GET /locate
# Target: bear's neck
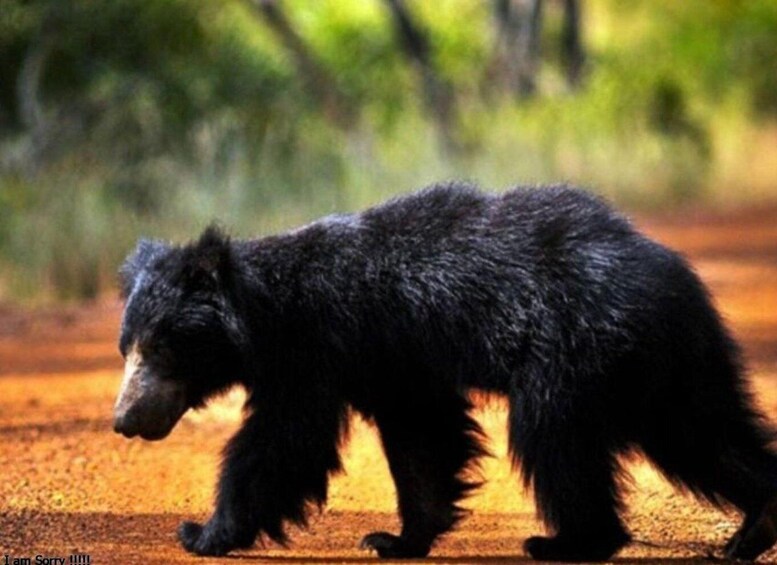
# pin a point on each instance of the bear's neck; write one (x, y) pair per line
(306, 274)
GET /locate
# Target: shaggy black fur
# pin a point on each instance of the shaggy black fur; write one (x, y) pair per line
(602, 340)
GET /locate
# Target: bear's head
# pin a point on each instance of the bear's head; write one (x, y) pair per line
(181, 336)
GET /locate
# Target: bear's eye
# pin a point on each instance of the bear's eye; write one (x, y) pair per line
(162, 355)
(124, 342)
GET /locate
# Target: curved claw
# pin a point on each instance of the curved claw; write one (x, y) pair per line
(202, 540)
(388, 545)
(755, 536)
(188, 534)
(572, 550)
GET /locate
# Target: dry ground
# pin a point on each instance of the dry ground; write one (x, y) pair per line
(68, 484)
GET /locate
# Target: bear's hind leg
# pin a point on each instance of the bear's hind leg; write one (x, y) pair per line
(747, 477)
(726, 460)
(574, 474)
(757, 534)
(428, 446)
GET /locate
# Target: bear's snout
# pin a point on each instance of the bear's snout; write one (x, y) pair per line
(125, 424)
(130, 425)
(147, 405)
(152, 420)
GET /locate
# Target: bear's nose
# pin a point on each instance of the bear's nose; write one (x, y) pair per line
(125, 424)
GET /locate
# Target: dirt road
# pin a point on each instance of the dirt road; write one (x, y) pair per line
(68, 484)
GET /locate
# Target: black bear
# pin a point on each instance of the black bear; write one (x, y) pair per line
(602, 340)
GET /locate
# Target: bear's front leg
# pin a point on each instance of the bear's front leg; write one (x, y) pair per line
(273, 468)
(212, 538)
(429, 441)
(234, 523)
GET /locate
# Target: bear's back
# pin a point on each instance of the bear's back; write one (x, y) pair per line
(458, 222)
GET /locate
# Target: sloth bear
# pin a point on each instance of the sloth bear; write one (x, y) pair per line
(602, 340)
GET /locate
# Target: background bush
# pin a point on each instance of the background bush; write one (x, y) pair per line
(156, 116)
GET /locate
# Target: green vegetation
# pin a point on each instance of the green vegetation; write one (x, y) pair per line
(155, 117)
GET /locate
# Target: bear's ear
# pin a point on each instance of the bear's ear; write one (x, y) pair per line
(210, 258)
(146, 251)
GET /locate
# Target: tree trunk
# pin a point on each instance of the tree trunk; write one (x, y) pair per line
(320, 84)
(572, 51)
(28, 86)
(29, 103)
(518, 45)
(437, 92)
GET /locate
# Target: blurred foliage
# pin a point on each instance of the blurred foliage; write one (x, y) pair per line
(156, 116)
